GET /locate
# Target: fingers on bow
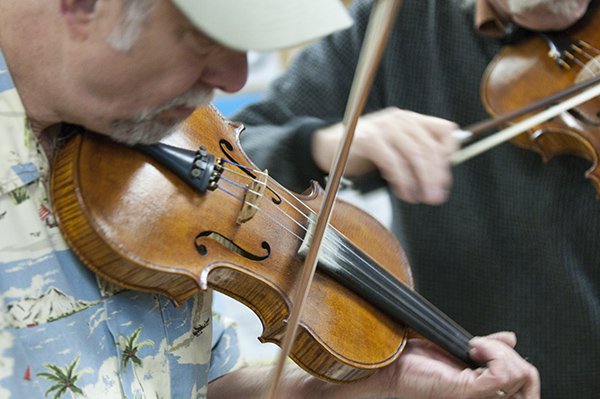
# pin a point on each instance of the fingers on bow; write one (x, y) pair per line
(417, 163)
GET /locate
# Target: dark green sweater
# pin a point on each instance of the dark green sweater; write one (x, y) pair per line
(517, 246)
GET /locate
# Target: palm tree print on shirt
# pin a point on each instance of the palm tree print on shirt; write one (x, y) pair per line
(130, 348)
(64, 379)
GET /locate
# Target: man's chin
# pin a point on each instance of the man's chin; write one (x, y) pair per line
(145, 133)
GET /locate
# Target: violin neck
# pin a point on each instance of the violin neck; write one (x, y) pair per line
(352, 268)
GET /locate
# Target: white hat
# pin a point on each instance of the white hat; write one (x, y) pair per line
(265, 24)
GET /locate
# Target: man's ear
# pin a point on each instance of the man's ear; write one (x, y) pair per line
(78, 14)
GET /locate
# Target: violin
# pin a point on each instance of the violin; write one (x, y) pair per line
(174, 219)
(539, 66)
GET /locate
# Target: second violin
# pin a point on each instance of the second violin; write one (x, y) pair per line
(540, 66)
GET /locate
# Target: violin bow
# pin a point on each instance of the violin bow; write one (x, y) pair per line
(379, 27)
(587, 90)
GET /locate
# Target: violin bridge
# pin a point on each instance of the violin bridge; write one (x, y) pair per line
(254, 192)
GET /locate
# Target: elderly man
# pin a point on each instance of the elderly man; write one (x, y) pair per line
(132, 70)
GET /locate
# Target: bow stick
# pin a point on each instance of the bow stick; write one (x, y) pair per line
(379, 26)
(592, 90)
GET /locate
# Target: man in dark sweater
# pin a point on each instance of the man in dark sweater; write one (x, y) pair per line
(514, 243)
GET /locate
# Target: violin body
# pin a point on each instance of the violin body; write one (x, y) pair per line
(525, 72)
(137, 225)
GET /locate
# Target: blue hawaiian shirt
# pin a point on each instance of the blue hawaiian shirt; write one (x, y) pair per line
(64, 332)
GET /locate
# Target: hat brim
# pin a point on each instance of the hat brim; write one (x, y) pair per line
(265, 24)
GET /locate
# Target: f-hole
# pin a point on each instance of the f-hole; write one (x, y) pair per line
(227, 243)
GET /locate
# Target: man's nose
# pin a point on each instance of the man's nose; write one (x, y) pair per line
(228, 72)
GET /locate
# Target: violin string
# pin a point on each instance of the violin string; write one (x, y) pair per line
(229, 192)
(238, 185)
(339, 244)
(267, 186)
(284, 199)
(272, 218)
(238, 173)
(357, 254)
(273, 189)
(326, 244)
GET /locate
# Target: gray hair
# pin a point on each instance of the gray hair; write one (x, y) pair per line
(126, 33)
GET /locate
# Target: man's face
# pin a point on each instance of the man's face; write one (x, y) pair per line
(542, 15)
(141, 94)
